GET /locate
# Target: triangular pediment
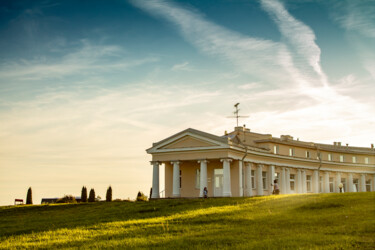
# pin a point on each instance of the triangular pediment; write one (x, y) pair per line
(189, 142)
(189, 139)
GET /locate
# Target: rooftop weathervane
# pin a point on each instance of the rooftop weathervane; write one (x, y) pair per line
(236, 115)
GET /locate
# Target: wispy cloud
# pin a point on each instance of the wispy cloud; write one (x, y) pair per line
(357, 16)
(88, 58)
(249, 55)
(300, 39)
(182, 66)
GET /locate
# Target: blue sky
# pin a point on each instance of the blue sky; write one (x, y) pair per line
(87, 86)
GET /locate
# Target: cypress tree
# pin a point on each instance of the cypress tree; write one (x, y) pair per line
(92, 195)
(108, 197)
(84, 194)
(29, 197)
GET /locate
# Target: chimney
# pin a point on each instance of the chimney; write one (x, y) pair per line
(225, 132)
(339, 144)
(372, 145)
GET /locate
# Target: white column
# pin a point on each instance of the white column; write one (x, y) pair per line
(271, 178)
(176, 178)
(283, 181)
(259, 180)
(326, 182)
(226, 178)
(155, 180)
(240, 178)
(299, 181)
(304, 187)
(363, 183)
(203, 176)
(316, 181)
(249, 189)
(287, 180)
(350, 182)
(338, 181)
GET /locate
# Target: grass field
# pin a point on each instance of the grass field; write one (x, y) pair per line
(329, 221)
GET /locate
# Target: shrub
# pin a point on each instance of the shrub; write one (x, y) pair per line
(84, 194)
(67, 199)
(141, 196)
(29, 197)
(108, 196)
(92, 195)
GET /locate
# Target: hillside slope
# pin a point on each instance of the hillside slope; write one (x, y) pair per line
(285, 221)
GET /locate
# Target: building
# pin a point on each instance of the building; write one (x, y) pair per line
(244, 163)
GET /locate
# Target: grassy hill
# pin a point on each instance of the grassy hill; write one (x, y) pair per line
(286, 221)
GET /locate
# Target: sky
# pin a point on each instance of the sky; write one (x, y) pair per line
(87, 86)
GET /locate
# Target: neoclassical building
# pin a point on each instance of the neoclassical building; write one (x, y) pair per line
(244, 163)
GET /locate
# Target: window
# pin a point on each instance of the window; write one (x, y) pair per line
(331, 185)
(275, 149)
(343, 181)
(292, 182)
(354, 159)
(329, 157)
(197, 178)
(308, 183)
(180, 178)
(355, 185)
(320, 184)
(307, 154)
(366, 160)
(264, 179)
(341, 158)
(291, 151)
(253, 179)
(368, 186)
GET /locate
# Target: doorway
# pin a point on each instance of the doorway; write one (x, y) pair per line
(218, 182)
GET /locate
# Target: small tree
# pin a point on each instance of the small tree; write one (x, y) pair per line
(29, 197)
(92, 195)
(108, 196)
(84, 194)
(141, 196)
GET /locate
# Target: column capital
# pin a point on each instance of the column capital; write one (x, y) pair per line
(175, 162)
(203, 160)
(226, 159)
(155, 162)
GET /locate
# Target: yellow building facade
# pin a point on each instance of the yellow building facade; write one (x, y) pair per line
(244, 163)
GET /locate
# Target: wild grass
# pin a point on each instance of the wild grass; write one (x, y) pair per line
(329, 221)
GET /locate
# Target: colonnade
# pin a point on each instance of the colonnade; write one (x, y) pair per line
(245, 181)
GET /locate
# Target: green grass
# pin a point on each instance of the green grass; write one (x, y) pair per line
(330, 221)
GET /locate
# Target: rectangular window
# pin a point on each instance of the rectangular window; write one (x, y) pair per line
(307, 154)
(329, 157)
(368, 186)
(275, 149)
(343, 181)
(354, 159)
(197, 178)
(291, 151)
(331, 185)
(341, 158)
(320, 184)
(355, 185)
(366, 160)
(292, 182)
(308, 183)
(253, 179)
(264, 179)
